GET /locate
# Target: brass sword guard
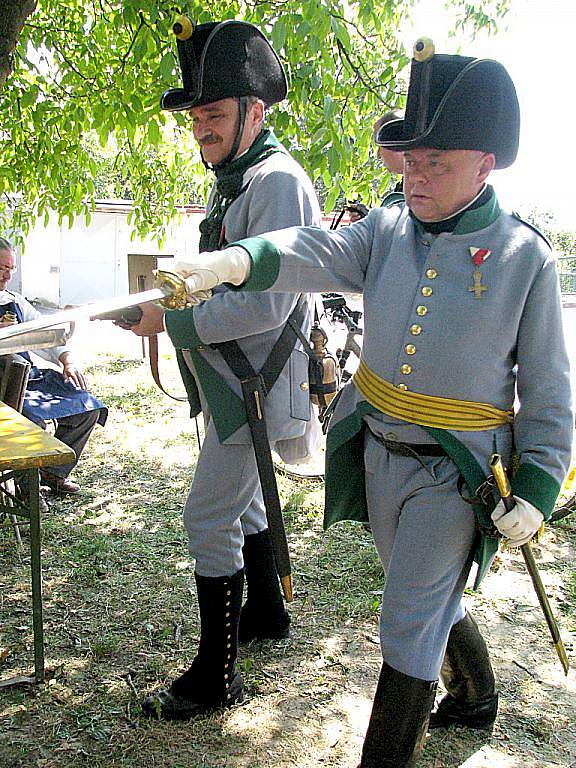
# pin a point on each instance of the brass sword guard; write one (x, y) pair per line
(175, 286)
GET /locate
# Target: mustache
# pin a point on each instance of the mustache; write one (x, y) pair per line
(209, 140)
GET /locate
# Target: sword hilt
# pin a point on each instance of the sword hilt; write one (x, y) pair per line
(502, 481)
(175, 287)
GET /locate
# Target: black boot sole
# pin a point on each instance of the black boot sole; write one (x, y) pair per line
(449, 714)
(166, 705)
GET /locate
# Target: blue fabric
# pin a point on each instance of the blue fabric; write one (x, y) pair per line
(48, 396)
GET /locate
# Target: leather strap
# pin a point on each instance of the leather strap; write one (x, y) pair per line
(255, 387)
(153, 352)
(411, 449)
(278, 357)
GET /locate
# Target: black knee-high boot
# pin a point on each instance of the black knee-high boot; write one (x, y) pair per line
(263, 616)
(213, 680)
(471, 699)
(399, 720)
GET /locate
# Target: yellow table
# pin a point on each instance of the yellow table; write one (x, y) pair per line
(25, 447)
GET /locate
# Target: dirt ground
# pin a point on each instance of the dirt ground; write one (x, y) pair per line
(120, 620)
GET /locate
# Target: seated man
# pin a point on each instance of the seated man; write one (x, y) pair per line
(51, 394)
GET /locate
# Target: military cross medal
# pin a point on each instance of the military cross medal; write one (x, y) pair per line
(479, 256)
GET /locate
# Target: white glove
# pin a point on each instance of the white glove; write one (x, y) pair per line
(518, 525)
(196, 297)
(211, 268)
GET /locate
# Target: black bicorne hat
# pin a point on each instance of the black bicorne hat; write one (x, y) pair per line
(457, 102)
(221, 60)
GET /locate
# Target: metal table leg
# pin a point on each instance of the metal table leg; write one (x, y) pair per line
(36, 567)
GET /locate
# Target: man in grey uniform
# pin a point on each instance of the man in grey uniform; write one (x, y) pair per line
(392, 160)
(230, 75)
(455, 292)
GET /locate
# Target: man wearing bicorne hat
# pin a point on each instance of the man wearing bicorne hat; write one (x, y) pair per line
(230, 76)
(462, 311)
(392, 160)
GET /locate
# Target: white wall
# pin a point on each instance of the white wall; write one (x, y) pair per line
(63, 266)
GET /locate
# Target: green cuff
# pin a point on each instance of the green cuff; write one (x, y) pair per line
(181, 329)
(536, 486)
(265, 259)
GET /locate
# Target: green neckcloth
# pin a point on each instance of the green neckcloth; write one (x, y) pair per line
(229, 180)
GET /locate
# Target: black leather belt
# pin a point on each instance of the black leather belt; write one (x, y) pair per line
(411, 449)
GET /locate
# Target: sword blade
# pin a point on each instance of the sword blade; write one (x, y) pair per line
(27, 342)
(85, 312)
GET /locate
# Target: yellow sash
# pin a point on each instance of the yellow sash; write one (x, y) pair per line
(427, 410)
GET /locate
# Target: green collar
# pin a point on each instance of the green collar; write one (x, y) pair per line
(480, 213)
(479, 218)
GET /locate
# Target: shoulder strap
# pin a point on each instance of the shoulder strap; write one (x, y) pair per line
(242, 368)
(533, 227)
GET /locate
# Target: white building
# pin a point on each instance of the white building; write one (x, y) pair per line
(61, 265)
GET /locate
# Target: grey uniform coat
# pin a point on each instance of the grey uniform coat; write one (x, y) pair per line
(225, 501)
(426, 330)
(278, 195)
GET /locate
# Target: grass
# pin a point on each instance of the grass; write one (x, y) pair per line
(121, 619)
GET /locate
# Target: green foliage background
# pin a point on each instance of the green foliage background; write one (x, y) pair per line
(80, 114)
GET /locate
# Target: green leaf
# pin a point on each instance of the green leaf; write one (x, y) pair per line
(279, 31)
(167, 66)
(154, 134)
(331, 199)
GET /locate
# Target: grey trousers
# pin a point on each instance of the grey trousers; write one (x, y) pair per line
(424, 534)
(74, 432)
(224, 504)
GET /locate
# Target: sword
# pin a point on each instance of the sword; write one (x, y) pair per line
(169, 290)
(506, 493)
(44, 339)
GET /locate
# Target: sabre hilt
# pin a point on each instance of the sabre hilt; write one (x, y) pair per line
(502, 481)
(175, 297)
(175, 287)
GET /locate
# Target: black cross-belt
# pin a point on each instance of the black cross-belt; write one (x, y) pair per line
(411, 450)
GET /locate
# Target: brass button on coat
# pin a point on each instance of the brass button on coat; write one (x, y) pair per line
(304, 386)
(427, 291)
(431, 273)
(410, 349)
(421, 310)
(406, 369)
(415, 329)
(403, 387)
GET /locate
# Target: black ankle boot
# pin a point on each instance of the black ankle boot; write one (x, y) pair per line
(212, 681)
(399, 720)
(263, 615)
(471, 699)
